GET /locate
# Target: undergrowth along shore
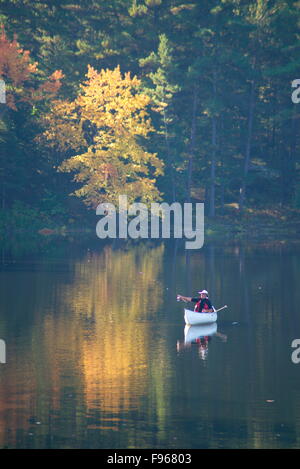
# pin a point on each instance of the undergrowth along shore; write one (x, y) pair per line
(251, 224)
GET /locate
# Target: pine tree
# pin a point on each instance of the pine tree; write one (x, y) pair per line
(162, 89)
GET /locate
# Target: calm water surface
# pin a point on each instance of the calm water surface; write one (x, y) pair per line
(98, 356)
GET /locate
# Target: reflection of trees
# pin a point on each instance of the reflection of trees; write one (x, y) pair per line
(90, 359)
(112, 298)
(117, 284)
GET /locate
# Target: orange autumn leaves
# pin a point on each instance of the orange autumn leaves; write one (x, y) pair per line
(22, 77)
(104, 126)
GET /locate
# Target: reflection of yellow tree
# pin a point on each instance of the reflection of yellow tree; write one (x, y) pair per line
(119, 299)
(112, 300)
(118, 285)
(92, 336)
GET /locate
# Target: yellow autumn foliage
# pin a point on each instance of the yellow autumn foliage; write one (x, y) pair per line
(104, 126)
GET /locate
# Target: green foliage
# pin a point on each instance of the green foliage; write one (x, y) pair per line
(216, 48)
(21, 217)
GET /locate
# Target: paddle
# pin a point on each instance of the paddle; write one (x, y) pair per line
(217, 310)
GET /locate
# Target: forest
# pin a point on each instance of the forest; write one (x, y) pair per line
(172, 100)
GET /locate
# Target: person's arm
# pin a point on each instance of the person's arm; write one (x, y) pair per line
(185, 298)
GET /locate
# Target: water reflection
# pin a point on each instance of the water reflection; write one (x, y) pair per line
(200, 336)
(192, 333)
(91, 349)
(88, 354)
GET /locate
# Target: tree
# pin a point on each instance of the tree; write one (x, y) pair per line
(25, 86)
(162, 89)
(106, 125)
(259, 15)
(21, 75)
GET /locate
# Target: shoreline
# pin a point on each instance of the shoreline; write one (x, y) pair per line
(228, 229)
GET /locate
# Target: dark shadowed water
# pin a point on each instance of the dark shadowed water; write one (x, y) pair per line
(97, 355)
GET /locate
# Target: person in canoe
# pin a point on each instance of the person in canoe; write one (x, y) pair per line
(203, 304)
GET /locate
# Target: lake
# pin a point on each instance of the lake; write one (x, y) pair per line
(97, 354)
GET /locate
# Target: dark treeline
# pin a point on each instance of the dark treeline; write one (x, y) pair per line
(219, 74)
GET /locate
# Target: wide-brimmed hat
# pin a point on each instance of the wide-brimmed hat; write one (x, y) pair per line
(205, 292)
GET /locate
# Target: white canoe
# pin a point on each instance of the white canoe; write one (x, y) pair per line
(192, 333)
(193, 318)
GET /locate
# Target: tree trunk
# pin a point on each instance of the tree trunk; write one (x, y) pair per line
(248, 147)
(293, 154)
(213, 169)
(192, 144)
(289, 160)
(170, 159)
(3, 111)
(212, 201)
(221, 143)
